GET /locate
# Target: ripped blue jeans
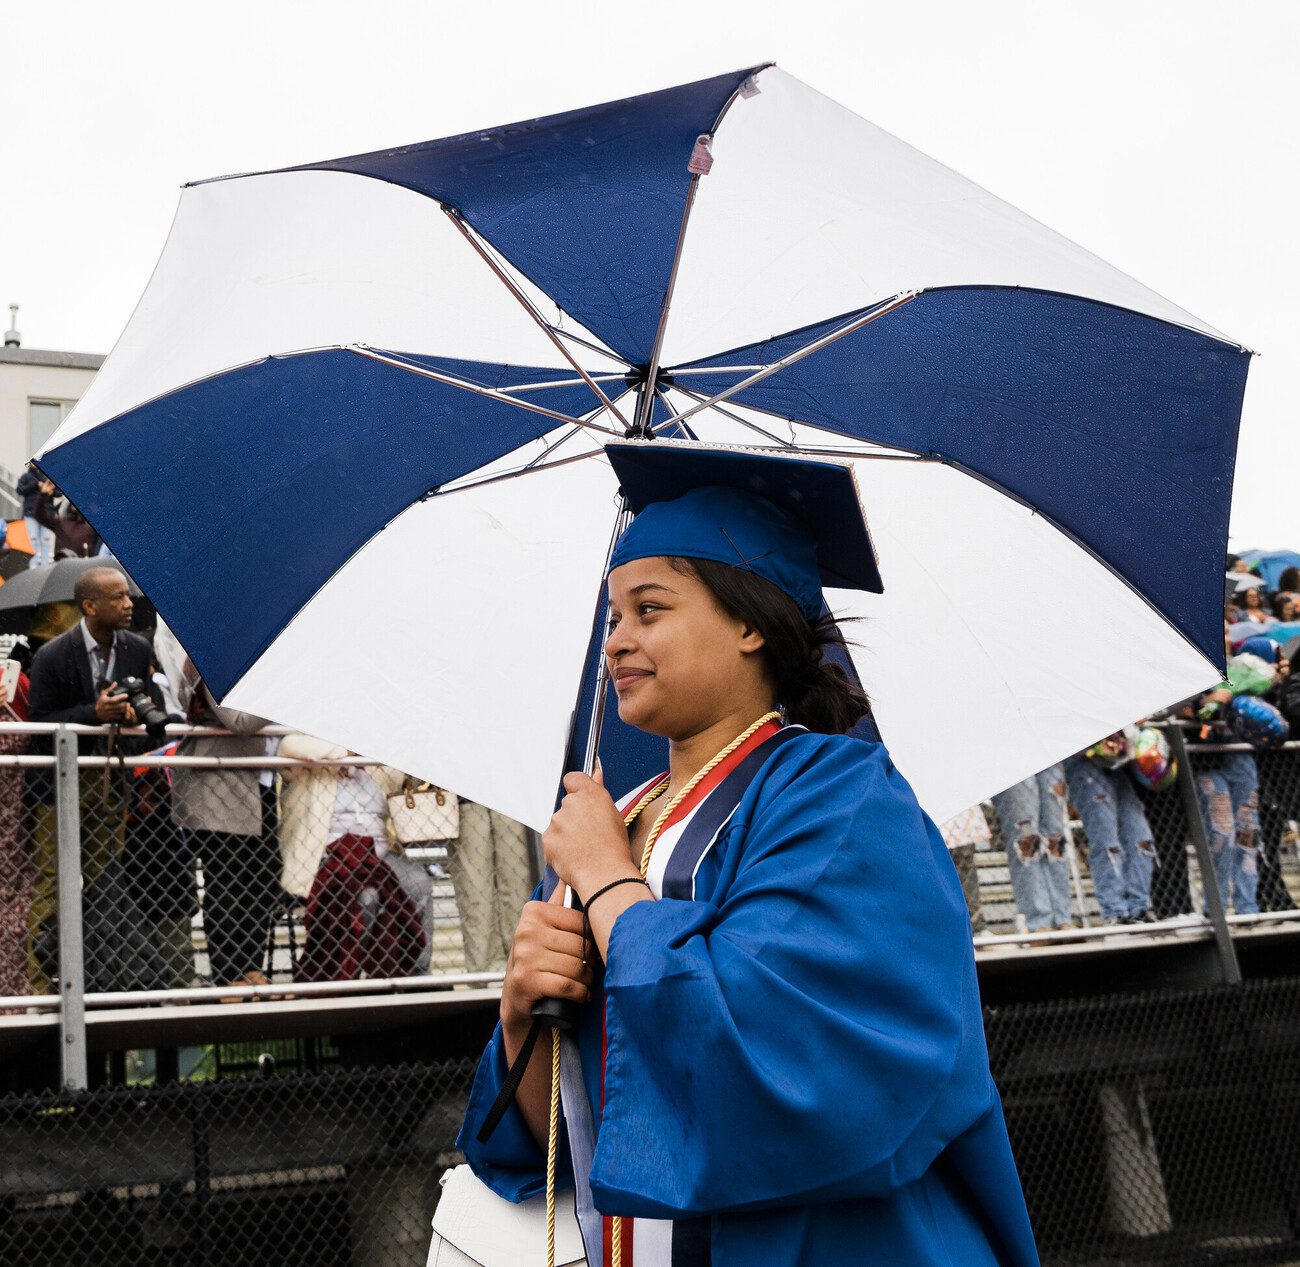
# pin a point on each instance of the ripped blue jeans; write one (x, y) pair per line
(1121, 852)
(1032, 818)
(1227, 786)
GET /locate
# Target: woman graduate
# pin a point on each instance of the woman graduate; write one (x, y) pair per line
(780, 1058)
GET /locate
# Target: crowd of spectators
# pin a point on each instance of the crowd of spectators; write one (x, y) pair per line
(1247, 787)
(255, 847)
(55, 527)
(309, 847)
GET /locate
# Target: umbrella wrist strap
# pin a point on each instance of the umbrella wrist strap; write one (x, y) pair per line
(510, 1086)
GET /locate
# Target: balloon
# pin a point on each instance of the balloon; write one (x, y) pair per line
(1257, 722)
(1154, 766)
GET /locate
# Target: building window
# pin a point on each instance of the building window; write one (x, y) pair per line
(44, 417)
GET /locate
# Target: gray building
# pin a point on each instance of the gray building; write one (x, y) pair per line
(37, 390)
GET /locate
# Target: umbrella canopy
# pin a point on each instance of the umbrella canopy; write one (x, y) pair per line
(350, 443)
(17, 539)
(1270, 564)
(1242, 581)
(1283, 631)
(16, 554)
(11, 563)
(21, 596)
(1240, 630)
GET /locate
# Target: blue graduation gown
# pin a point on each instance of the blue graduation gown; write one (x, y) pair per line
(797, 1053)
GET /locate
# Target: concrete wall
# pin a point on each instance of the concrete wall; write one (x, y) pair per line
(20, 384)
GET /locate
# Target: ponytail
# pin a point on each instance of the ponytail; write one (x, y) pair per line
(811, 687)
(819, 693)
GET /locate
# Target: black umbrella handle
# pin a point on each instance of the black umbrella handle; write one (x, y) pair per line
(556, 1014)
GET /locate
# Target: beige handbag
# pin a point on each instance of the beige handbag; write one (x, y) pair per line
(473, 1227)
(421, 811)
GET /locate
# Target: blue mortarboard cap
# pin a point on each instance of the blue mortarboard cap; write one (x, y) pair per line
(795, 521)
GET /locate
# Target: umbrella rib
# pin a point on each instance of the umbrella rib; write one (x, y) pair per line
(529, 307)
(840, 332)
(562, 382)
(490, 392)
(588, 344)
(848, 453)
(539, 463)
(533, 468)
(555, 444)
(894, 450)
(549, 449)
(505, 265)
(646, 404)
(663, 395)
(677, 373)
(734, 417)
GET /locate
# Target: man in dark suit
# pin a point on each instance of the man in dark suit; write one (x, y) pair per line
(74, 678)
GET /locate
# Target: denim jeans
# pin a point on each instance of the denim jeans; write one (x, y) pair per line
(42, 539)
(1227, 786)
(1032, 817)
(1120, 849)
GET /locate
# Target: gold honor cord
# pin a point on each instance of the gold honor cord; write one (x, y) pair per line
(553, 1139)
(552, 1147)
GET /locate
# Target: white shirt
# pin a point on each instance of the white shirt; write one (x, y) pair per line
(359, 808)
(267, 777)
(101, 674)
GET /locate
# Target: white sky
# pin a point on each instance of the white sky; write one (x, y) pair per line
(1162, 134)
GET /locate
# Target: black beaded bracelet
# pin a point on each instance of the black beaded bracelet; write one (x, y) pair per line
(586, 907)
(613, 884)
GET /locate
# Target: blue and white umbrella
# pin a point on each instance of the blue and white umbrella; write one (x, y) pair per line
(350, 443)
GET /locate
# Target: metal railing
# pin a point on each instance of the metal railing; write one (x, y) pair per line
(232, 874)
(227, 870)
(1126, 1111)
(11, 505)
(1185, 898)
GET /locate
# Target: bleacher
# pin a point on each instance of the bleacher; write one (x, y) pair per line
(995, 879)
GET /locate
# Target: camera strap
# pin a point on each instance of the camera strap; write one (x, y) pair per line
(114, 750)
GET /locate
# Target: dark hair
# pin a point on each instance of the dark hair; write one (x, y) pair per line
(814, 691)
(1290, 578)
(89, 584)
(1280, 600)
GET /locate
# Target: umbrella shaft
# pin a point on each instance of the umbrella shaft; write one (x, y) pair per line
(621, 521)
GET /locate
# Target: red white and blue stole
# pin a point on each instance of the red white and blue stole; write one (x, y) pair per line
(683, 843)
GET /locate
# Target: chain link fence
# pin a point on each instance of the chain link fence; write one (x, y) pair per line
(339, 1167)
(1160, 1129)
(1153, 1127)
(214, 863)
(1247, 807)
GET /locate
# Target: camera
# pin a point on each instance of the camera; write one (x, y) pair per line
(150, 716)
